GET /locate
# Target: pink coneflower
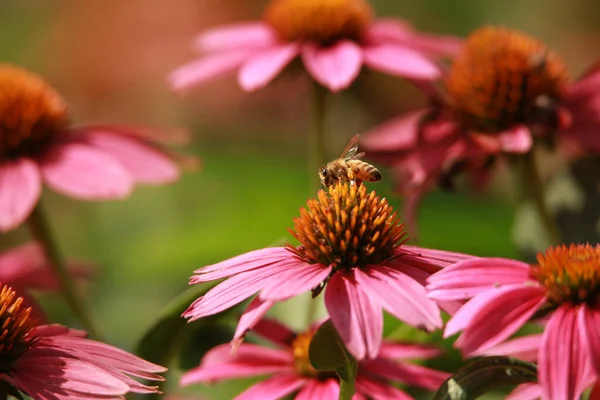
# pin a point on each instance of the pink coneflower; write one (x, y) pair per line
(352, 247)
(291, 371)
(334, 39)
(55, 362)
(505, 294)
(37, 144)
(504, 91)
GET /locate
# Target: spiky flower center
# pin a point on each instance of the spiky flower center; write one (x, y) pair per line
(501, 78)
(31, 112)
(321, 21)
(300, 350)
(15, 323)
(571, 274)
(347, 227)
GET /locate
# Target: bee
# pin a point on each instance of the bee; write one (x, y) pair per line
(349, 167)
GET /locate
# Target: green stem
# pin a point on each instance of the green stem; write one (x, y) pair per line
(347, 386)
(533, 188)
(317, 140)
(41, 232)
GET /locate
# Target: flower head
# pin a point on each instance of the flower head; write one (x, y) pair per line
(333, 37)
(352, 248)
(505, 294)
(37, 144)
(55, 362)
(291, 371)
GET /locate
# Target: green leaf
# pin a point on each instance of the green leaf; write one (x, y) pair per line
(326, 351)
(482, 375)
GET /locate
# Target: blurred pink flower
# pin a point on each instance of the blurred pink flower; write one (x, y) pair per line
(352, 246)
(291, 371)
(486, 111)
(506, 294)
(93, 162)
(55, 362)
(333, 38)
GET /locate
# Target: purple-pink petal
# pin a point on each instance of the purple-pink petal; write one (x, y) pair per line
(589, 328)
(264, 65)
(315, 389)
(244, 262)
(410, 374)
(274, 331)
(377, 390)
(357, 318)
(516, 140)
(334, 67)
(274, 388)
(295, 281)
(20, 189)
(526, 391)
(401, 61)
(468, 278)
(524, 348)
(397, 134)
(401, 296)
(406, 351)
(236, 36)
(254, 313)
(84, 172)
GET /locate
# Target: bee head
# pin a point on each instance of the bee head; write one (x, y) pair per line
(325, 175)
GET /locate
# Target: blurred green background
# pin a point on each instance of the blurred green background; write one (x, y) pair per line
(110, 60)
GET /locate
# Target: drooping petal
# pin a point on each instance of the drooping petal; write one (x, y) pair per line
(516, 140)
(242, 35)
(274, 388)
(394, 135)
(468, 278)
(526, 391)
(297, 280)
(493, 316)
(400, 61)
(441, 258)
(377, 390)
(314, 389)
(263, 66)
(334, 67)
(525, 348)
(252, 315)
(563, 357)
(401, 296)
(356, 317)
(145, 162)
(207, 68)
(274, 331)
(589, 328)
(406, 351)
(20, 189)
(84, 172)
(410, 374)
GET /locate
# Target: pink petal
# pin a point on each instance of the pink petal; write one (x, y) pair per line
(273, 388)
(207, 68)
(493, 316)
(524, 348)
(401, 61)
(274, 331)
(588, 84)
(83, 172)
(297, 280)
(263, 66)
(20, 189)
(401, 296)
(396, 351)
(377, 390)
(468, 278)
(236, 36)
(145, 162)
(334, 67)
(21, 261)
(328, 389)
(394, 135)
(410, 374)
(440, 258)
(563, 357)
(589, 328)
(357, 319)
(253, 314)
(526, 391)
(516, 140)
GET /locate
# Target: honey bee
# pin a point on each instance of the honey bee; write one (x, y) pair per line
(349, 167)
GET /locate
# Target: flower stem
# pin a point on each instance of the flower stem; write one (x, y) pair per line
(533, 188)
(347, 385)
(41, 232)
(317, 140)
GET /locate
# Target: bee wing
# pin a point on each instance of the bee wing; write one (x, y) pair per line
(359, 155)
(351, 148)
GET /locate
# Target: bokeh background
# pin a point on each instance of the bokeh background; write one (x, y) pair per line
(110, 60)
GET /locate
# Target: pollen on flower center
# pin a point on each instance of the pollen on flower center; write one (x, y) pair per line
(31, 111)
(322, 21)
(502, 77)
(300, 350)
(570, 274)
(15, 323)
(347, 227)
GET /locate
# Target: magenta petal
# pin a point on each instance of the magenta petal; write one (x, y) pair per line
(468, 278)
(377, 390)
(397, 351)
(297, 280)
(20, 189)
(274, 331)
(401, 296)
(441, 258)
(252, 315)
(263, 66)
(400, 61)
(524, 348)
(273, 388)
(207, 68)
(83, 172)
(394, 135)
(526, 391)
(145, 162)
(334, 67)
(236, 36)
(493, 316)
(410, 374)
(516, 140)
(356, 317)
(563, 358)
(589, 327)
(314, 389)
